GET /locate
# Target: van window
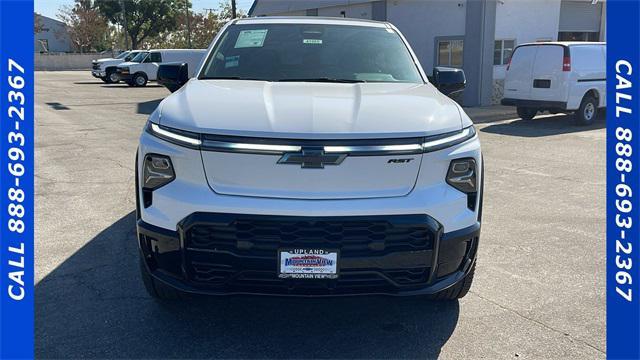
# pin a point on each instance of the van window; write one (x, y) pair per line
(139, 57)
(587, 58)
(154, 57)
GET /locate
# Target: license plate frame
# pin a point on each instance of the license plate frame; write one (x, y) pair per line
(319, 264)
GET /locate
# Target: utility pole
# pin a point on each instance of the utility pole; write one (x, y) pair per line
(186, 9)
(124, 17)
(233, 9)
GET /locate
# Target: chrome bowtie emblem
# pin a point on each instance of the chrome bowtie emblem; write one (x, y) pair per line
(312, 158)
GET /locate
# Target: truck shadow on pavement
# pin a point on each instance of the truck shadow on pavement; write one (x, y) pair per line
(546, 126)
(94, 306)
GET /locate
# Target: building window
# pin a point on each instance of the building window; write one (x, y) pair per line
(578, 36)
(450, 53)
(502, 51)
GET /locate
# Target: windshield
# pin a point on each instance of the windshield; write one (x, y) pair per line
(138, 58)
(122, 55)
(311, 52)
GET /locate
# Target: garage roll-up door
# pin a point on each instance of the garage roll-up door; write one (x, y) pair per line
(580, 16)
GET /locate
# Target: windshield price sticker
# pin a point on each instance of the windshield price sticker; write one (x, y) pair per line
(251, 38)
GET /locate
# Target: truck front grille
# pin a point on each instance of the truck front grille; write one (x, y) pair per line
(239, 252)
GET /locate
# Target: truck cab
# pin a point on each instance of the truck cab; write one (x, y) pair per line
(144, 67)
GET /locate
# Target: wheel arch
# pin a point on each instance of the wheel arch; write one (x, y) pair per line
(593, 92)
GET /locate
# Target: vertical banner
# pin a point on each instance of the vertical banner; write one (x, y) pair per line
(623, 182)
(16, 179)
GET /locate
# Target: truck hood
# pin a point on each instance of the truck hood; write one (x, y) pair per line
(104, 60)
(310, 110)
(128, 63)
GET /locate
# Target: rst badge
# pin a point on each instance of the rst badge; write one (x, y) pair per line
(308, 264)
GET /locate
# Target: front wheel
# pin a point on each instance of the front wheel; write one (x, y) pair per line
(140, 79)
(588, 111)
(112, 77)
(526, 113)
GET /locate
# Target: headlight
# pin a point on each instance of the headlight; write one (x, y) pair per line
(462, 175)
(178, 137)
(157, 171)
(440, 142)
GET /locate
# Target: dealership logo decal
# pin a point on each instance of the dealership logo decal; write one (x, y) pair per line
(308, 261)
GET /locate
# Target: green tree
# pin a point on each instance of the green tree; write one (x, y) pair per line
(143, 19)
(204, 28)
(86, 27)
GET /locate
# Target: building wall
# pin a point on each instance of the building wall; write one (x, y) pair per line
(56, 62)
(357, 11)
(526, 21)
(54, 32)
(422, 22)
(523, 21)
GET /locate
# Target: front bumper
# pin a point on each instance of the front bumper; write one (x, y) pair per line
(225, 254)
(98, 73)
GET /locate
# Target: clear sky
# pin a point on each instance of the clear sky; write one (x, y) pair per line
(50, 7)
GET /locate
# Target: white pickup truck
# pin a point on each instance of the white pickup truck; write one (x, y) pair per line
(105, 69)
(309, 157)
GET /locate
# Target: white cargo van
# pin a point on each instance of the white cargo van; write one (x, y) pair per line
(558, 77)
(144, 66)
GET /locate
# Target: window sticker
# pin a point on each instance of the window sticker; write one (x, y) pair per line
(251, 38)
(231, 61)
(312, 41)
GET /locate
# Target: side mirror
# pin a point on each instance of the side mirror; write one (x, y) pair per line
(173, 75)
(449, 80)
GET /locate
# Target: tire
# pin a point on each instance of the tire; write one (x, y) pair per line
(130, 83)
(140, 79)
(157, 289)
(459, 290)
(588, 111)
(112, 77)
(527, 113)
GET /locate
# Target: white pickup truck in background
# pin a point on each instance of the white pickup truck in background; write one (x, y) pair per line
(105, 69)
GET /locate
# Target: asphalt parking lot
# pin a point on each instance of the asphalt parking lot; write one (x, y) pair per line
(539, 290)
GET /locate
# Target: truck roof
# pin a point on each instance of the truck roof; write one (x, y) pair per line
(311, 20)
(564, 43)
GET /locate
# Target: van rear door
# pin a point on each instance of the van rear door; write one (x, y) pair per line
(548, 78)
(517, 83)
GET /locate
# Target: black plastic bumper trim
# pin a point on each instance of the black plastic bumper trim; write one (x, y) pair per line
(540, 104)
(434, 284)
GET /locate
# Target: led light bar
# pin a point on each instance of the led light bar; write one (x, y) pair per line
(174, 136)
(444, 142)
(374, 148)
